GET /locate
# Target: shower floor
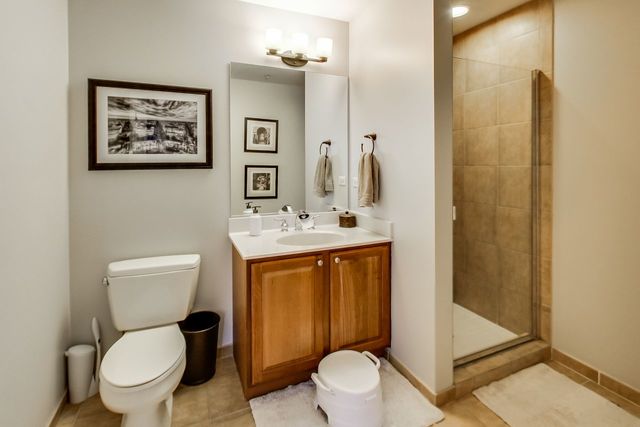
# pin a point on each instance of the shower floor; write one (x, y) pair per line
(473, 333)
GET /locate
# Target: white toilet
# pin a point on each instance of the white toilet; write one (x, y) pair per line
(139, 373)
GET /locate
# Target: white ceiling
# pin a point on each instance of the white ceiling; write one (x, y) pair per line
(270, 74)
(481, 11)
(344, 10)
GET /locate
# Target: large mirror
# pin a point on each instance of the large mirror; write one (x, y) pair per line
(279, 120)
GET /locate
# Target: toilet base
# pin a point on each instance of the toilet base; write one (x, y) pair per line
(149, 405)
(157, 415)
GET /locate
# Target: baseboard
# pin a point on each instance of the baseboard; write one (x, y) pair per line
(225, 351)
(597, 376)
(437, 399)
(56, 415)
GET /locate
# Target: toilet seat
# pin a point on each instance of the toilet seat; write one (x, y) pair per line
(143, 356)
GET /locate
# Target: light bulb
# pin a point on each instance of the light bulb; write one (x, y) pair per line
(324, 47)
(300, 43)
(273, 39)
(458, 11)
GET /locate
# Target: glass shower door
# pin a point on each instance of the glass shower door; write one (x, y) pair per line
(495, 187)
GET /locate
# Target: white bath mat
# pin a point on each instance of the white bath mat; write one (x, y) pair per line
(404, 406)
(540, 396)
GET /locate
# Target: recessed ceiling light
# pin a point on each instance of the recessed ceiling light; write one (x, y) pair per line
(458, 11)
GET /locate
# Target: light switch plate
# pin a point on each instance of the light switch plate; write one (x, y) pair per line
(342, 181)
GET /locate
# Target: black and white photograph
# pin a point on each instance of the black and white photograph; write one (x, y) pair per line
(260, 135)
(158, 126)
(260, 182)
(142, 126)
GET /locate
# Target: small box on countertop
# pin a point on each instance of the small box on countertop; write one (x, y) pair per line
(347, 220)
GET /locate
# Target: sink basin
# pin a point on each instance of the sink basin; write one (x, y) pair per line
(310, 238)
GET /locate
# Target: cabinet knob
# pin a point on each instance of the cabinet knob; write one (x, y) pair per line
(320, 263)
(337, 260)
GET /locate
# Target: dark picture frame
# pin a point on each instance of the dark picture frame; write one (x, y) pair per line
(260, 135)
(166, 122)
(260, 175)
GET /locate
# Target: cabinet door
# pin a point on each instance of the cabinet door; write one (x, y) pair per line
(287, 311)
(360, 299)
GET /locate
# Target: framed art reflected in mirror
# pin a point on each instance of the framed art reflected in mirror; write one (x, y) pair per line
(260, 182)
(260, 135)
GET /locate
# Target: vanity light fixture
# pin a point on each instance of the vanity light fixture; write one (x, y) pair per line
(458, 11)
(297, 54)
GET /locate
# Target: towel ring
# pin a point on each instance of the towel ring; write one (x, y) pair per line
(328, 143)
(372, 137)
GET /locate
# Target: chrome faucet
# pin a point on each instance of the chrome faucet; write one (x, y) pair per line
(284, 225)
(304, 221)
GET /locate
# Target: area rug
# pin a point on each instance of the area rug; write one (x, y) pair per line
(404, 406)
(540, 396)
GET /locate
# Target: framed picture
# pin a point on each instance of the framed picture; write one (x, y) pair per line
(260, 182)
(145, 126)
(260, 135)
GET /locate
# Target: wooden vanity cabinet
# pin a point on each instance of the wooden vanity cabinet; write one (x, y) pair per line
(291, 311)
(287, 316)
(360, 297)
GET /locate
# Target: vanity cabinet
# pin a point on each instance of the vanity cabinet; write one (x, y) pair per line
(291, 311)
(287, 316)
(360, 299)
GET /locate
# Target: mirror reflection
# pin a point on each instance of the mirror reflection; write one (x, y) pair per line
(288, 139)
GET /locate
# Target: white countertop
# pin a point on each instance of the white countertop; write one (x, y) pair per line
(266, 245)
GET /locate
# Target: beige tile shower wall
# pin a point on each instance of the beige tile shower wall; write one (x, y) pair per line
(492, 165)
(493, 193)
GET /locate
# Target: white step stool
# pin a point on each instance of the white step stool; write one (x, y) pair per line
(348, 389)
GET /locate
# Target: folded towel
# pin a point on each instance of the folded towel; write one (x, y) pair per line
(368, 180)
(323, 179)
(328, 175)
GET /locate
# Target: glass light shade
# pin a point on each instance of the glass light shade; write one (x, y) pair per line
(273, 39)
(458, 11)
(324, 47)
(300, 43)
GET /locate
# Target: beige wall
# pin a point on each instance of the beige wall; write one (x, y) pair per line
(596, 273)
(34, 222)
(392, 75)
(125, 214)
(519, 39)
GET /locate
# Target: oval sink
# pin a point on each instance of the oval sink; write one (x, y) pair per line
(310, 238)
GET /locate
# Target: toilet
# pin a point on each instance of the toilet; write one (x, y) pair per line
(147, 297)
(348, 389)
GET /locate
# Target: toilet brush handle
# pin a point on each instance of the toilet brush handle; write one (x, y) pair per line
(374, 359)
(318, 382)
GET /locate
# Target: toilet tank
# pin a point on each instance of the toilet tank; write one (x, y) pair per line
(148, 292)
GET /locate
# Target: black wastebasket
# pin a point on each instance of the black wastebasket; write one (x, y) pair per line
(200, 330)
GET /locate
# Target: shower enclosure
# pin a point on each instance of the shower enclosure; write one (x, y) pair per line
(495, 192)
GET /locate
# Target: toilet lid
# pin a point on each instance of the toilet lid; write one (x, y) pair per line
(142, 356)
(349, 371)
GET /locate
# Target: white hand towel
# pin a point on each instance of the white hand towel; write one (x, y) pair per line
(368, 180)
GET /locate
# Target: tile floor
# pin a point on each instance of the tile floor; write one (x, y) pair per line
(216, 403)
(220, 403)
